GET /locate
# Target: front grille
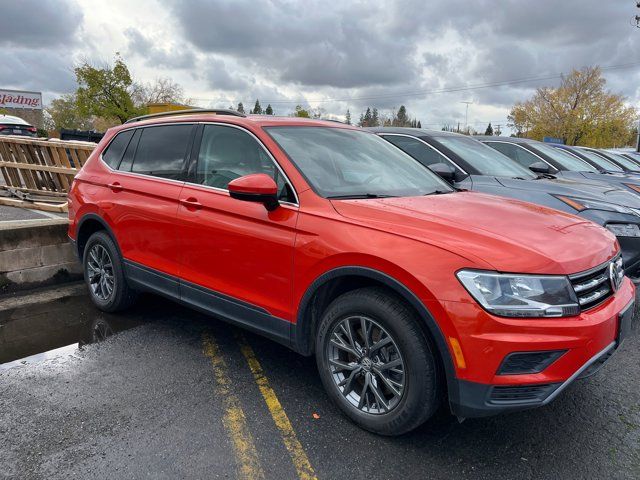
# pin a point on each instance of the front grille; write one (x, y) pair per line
(521, 394)
(594, 286)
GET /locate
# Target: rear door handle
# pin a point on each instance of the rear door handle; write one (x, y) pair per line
(191, 203)
(116, 187)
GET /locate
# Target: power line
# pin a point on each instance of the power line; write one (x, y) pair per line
(460, 88)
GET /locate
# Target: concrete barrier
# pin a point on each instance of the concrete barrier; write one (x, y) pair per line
(35, 253)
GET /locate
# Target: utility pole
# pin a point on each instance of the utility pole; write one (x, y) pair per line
(466, 116)
(638, 138)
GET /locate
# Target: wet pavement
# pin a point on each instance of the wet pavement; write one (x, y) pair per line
(164, 392)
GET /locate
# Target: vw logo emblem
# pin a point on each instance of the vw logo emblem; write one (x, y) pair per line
(616, 275)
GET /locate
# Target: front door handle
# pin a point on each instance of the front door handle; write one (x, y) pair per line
(115, 187)
(191, 203)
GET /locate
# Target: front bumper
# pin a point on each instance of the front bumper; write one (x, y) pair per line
(601, 334)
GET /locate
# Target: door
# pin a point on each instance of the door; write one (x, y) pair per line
(236, 257)
(144, 202)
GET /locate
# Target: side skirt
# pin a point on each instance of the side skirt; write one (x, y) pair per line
(224, 307)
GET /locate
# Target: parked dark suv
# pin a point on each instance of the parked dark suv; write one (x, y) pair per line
(471, 165)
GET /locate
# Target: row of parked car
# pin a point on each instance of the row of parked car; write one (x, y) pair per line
(601, 186)
(420, 268)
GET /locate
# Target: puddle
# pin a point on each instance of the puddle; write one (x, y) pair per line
(55, 329)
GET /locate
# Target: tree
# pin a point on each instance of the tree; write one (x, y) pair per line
(301, 112)
(401, 119)
(580, 111)
(375, 118)
(63, 112)
(347, 117)
(257, 109)
(419, 124)
(107, 91)
(489, 130)
(162, 90)
(268, 110)
(240, 108)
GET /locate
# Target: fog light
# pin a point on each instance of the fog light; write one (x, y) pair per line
(624, 229)
(519, 363)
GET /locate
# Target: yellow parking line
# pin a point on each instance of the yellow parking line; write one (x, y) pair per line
(298, 456)
(234, 419)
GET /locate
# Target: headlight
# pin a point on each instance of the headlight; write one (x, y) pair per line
(512, 295)
(581, 204)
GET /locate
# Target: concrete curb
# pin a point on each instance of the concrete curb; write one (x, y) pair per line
(36, 253)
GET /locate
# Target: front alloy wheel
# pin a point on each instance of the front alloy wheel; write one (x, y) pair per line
(366, 365)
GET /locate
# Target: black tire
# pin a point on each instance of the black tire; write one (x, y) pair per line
(421, 378)
(121, 296)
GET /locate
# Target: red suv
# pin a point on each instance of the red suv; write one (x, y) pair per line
(330, 240)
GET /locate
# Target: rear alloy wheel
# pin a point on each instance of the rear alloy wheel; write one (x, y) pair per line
(376, 363)
(104, 274)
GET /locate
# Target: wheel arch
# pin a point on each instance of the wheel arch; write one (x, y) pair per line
(87, 226)
(302, 336)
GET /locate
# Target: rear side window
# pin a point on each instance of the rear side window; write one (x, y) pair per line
(162, 150)
(418, 150)
(113, 154)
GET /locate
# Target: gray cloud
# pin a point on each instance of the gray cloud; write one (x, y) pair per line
(39, 23)
(168, 58)
(31, 70)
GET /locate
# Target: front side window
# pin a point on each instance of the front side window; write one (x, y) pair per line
(227, 153)
(343, 163)
(485, 160)
(565, 159)
(426, 155)
(162, 150)
(113, 154)
(516, 152)
(601, 161)
(625, 162)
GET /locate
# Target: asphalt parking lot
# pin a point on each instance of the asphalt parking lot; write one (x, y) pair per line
(171, 393)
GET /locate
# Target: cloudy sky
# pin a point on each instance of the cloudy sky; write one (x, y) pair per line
(328, 54)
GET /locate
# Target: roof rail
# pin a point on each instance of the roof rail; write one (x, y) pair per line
(190, 111)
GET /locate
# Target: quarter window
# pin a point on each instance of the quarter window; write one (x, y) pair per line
(227, 153)
(113, 154)
(161, 151)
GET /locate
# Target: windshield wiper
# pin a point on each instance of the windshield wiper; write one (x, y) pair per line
(356, 196)
(546, 176)
(440, 192)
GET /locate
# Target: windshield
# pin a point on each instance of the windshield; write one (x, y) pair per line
(483, 158)
(342, 163)
(625, 162)
(600, 161)
(565, 159)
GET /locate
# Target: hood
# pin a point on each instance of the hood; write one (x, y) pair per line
(495, 232)
(571, 188)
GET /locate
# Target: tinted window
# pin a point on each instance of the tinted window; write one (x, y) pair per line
(161, 151)
(418, 150)
(340, 162)
(113, 154)
(515, 152)
(227, 153)
(485, 160)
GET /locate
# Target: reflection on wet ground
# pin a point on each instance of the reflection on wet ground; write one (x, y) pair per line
(40, 331)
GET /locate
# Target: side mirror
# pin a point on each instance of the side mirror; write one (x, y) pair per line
(257, 187)
(539, 167)
(444, 170)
